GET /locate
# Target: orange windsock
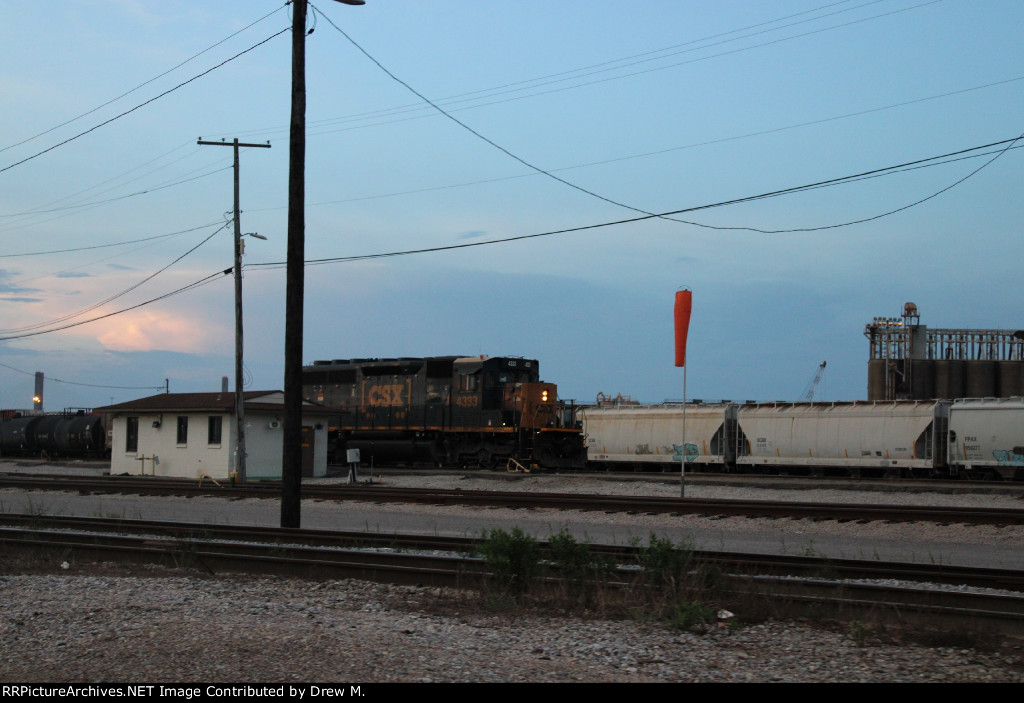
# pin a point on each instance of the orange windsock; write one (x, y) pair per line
(684, 302)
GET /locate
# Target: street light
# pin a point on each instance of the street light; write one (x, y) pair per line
(291, 462)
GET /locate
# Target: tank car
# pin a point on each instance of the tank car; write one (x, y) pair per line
(17, 435)
(81, 435)
(446, 410)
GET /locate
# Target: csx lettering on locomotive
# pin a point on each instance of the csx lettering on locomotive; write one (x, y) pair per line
(385, 395)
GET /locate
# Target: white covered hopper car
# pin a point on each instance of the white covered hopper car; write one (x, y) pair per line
(906, 438)
(986, 437)
(649, 437)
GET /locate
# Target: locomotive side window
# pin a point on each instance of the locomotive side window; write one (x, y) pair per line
(131, 443)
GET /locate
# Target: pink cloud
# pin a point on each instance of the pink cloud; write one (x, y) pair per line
(148, 331)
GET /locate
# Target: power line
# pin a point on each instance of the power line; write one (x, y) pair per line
(666, 215)
(545, 80)
(51, 379)
(140, 85)
(657, 152)
(604, 198)
(191, 286)
(143, 104)
(119, 197)
(270, 265)
(105, 246)
(116, 295)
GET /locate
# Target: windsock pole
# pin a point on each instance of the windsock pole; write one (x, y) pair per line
(683, 305)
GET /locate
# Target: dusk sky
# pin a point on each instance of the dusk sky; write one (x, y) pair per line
(571, 119)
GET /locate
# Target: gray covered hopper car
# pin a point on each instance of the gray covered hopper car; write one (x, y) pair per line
(881, 438)
(986, 437)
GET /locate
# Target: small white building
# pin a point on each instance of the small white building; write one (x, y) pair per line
(189, 435)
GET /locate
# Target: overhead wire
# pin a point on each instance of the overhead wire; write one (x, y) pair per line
(497, 89)
(606, 199)
(657, 152)
(115, 296)
(113, 244)
(271, 265)
(191, 286)
(143, 104)
(435, 104)
(141, 85)
(51, 379)
(154, 189)
(645, 216)
(1008, 143)
(83, 191)
(537, 82)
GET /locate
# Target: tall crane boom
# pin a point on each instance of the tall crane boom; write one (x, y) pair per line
(809, 391)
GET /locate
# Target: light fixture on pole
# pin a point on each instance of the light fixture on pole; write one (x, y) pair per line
(291, 459)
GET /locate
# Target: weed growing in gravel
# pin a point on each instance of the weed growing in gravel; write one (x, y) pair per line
(810, 551)
(514, 558)
(36, 508)
(664, 564)
(688, 615)
(860, 632)
(582, 570)
(665, 584)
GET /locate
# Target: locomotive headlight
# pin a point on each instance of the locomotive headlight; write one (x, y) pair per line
(544, 396)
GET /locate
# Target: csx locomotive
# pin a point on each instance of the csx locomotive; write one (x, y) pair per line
(466, 411)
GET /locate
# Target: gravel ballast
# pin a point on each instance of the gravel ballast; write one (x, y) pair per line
(91, 623)
(82, 628)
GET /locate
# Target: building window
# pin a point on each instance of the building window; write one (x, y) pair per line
(131, 443)
(214, 434)
(183, 429)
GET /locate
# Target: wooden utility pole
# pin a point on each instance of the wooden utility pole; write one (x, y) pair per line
(239, 383)
(291, 461)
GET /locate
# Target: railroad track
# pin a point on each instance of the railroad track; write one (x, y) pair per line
(799, 582)
(763, 564)
(531, 499)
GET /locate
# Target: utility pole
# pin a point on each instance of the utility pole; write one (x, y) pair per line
(291, 460)
(239, 383)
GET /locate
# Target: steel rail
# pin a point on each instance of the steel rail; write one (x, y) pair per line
(531, 499)
(997, 613)
(736, 562)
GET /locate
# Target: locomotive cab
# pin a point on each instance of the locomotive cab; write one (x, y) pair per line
(537, 405)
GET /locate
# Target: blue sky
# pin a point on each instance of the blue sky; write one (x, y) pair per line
(637, 107)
